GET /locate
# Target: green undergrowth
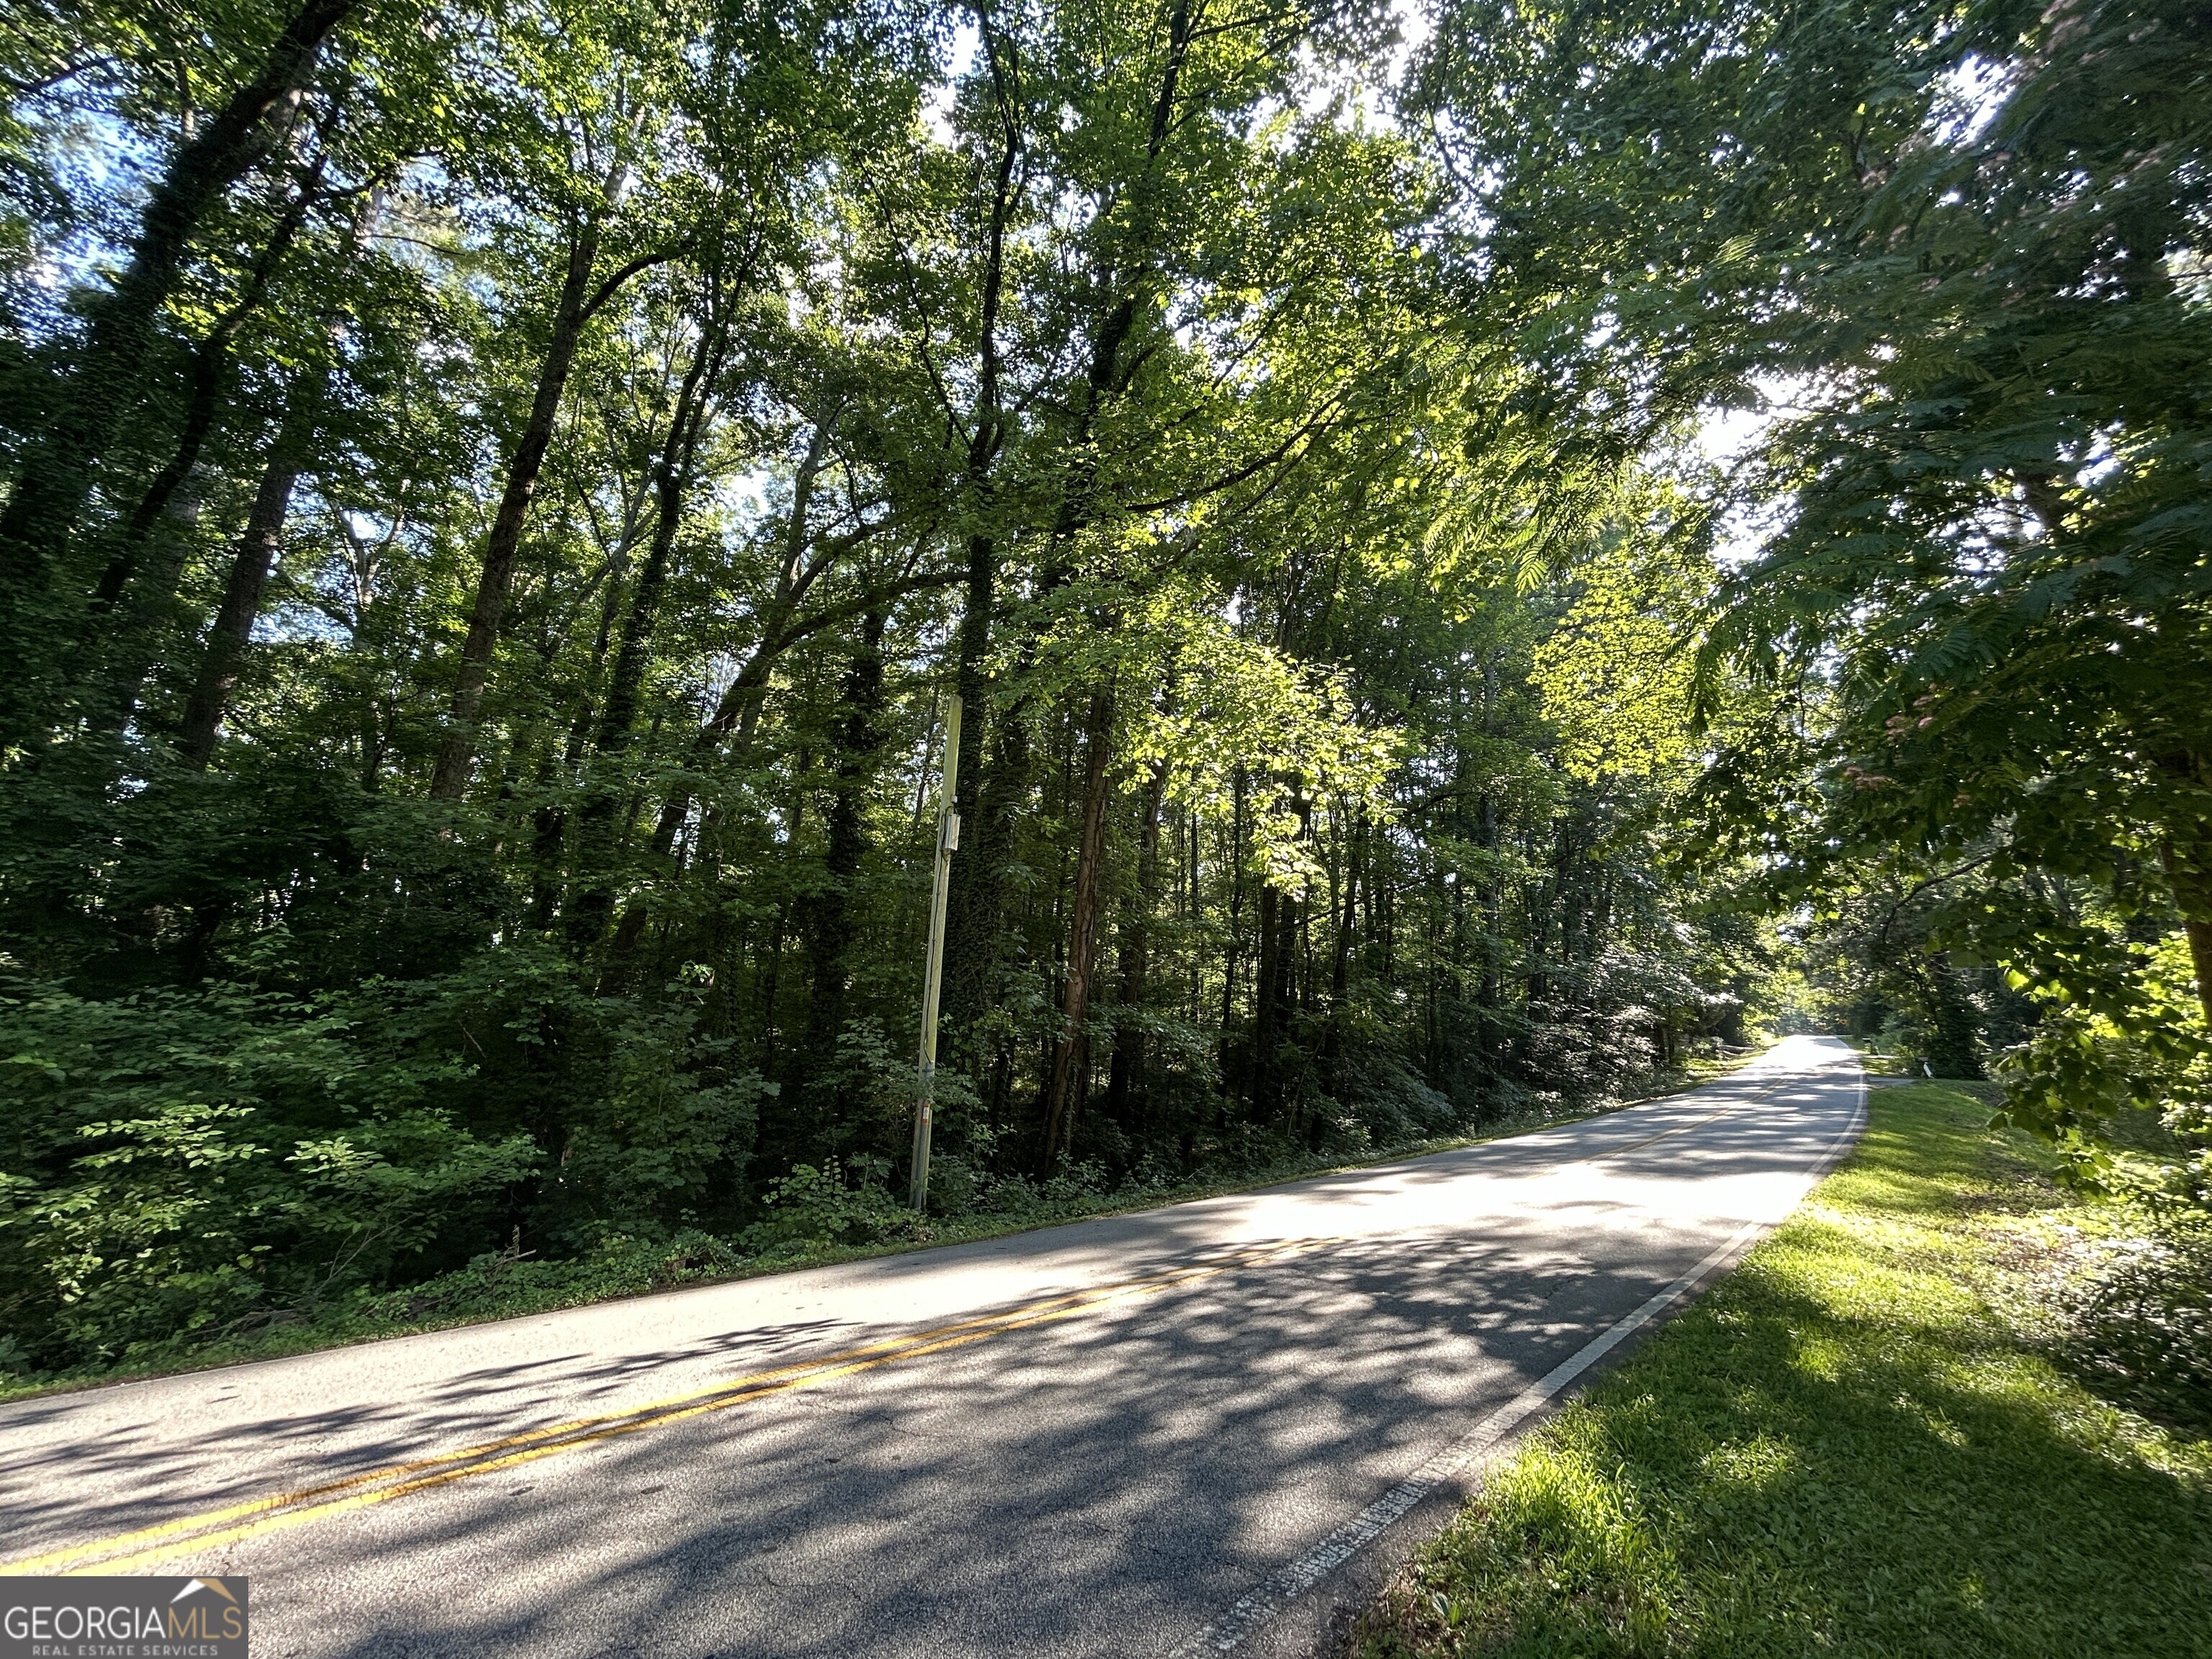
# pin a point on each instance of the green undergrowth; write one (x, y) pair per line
(1886, 1433)
(816, 1216)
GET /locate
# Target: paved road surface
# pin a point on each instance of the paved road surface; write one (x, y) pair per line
(1197, 1428)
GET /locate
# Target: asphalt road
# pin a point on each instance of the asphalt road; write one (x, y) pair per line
(1197, 1429)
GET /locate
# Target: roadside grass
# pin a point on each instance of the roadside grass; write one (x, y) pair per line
(513, 1283)
(1865, 1440)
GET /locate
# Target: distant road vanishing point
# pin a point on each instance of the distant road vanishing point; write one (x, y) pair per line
(1207, 1428)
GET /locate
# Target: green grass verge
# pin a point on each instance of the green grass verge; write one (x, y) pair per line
(500, 1287)
(1858, 1443)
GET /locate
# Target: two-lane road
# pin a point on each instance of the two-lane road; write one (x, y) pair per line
(1197, 1428)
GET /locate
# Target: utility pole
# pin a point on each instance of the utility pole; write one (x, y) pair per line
(948, 838)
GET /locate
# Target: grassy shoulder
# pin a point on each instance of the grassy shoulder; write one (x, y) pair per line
(1864, 1441)
(849, 1226)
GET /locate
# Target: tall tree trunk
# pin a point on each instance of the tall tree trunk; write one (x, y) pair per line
(549, 821)
(738, 713)
(1290, 927)
(593, 903)
(1490, 900)
(1191, 913)
(1264, 1002)
(1127, 1066)
(827, 916)
(232, 630)
(776, 1123)
(991, 804)
(1233, 945)
(673, 475)
(56, 475)
(572, 307)
(972, 902)
(1082, 927)
(997, 798)
(1339, 972)
(496, 578)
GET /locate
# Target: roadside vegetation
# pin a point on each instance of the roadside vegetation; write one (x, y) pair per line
(814, 1218)
(1908, 1424)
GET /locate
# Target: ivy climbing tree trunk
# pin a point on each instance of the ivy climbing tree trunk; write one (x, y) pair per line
(211, 369)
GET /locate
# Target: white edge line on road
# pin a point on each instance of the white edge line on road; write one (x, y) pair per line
(1287, 1584)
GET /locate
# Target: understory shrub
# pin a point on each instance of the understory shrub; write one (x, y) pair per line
(812, 1206)
(179, 1167)
(2140, 1325)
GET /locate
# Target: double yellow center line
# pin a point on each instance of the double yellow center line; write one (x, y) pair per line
(129, 1551)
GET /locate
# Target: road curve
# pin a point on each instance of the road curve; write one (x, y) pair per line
(1198, 1429)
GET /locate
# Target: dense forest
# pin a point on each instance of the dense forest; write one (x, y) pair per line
(1485, 551)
